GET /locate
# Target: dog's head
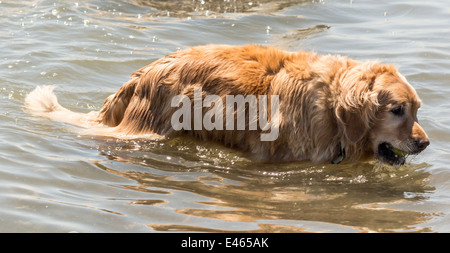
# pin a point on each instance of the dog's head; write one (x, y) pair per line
(378, 109)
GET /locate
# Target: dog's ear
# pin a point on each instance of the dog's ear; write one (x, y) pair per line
(358, 103)
(352, 123)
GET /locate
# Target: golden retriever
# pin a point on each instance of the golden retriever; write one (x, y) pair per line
(330, 108)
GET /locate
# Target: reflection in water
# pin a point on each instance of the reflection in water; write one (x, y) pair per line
(291, 40)
(187, 8)
(276, 197)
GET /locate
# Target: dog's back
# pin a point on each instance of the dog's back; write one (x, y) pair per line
(143, 105)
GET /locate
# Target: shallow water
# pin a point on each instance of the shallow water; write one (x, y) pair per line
(54, 180)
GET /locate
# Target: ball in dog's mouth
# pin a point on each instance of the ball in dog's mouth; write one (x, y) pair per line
(391, 155)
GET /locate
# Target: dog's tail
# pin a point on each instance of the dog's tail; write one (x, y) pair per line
(43, 102)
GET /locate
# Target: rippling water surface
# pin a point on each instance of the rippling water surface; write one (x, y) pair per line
(53, 180)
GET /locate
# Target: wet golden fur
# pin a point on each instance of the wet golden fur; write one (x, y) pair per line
(328, 103)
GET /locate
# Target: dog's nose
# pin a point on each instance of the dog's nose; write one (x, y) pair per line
(422, 143)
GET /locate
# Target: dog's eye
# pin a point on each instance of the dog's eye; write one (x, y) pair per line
(398, 110)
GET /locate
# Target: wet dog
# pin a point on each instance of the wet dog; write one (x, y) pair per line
(329, 108)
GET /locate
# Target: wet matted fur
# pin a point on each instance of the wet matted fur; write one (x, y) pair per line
(331, 108)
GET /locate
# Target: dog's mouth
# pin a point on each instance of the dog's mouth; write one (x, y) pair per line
(391, 155)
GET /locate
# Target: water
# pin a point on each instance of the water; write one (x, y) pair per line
(53, 180)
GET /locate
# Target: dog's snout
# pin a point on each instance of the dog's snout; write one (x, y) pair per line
(422, 143)
(420, 138)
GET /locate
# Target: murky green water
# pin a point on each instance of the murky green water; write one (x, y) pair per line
(53, 180)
